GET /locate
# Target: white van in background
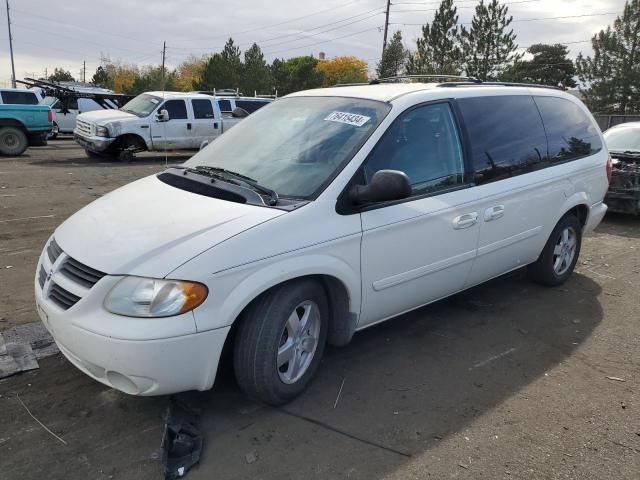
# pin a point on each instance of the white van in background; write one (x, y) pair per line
(66, 110)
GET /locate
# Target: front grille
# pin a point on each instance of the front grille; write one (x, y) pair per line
(80, 273)
(83, 127)
(42, 276)
(53, 251)
(61, 297)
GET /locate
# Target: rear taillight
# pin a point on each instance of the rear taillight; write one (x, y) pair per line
(609, 169)
(50, 116)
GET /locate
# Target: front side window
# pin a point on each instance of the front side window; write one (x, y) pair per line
(297, 145)
(506, 136)
(202, 108)
(424, 144)
(570, 132)
(177, 109)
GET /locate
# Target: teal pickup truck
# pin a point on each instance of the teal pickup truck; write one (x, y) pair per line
(22, 126)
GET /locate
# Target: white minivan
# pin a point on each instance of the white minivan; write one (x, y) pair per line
(322, 214)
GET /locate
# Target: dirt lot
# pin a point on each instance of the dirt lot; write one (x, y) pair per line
(508, 380)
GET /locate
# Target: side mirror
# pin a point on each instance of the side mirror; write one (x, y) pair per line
(239, 113)
(385, 186)
(162, 116)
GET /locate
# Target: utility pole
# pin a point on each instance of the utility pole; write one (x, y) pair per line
(13, 67)
(84, 71)
(386, 26)
(164, 55)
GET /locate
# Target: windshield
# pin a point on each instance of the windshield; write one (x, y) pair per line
(142, 105)
(49, 101)
(623, 139)
(295, 145)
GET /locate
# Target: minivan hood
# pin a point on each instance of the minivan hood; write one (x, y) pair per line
(100, 117)
(149, 228)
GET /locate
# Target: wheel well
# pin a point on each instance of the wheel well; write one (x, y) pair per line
(581, 212)
(10, 122)
(131, 141)
(342, 322)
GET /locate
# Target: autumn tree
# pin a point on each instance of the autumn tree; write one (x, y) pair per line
(393, 57)
(438, 51)
(256, 76)
(61, 75)
(189, 73)
(611, 77)
(345, 69)
(550, 65)
(489, 47)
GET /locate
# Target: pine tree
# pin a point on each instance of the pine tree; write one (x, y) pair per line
(550, 65)
(438, 51)
(611, 77)
(393, 57)
(489, 48)
(256, 77)
(61, 75)
(222, 70)
(100, 78)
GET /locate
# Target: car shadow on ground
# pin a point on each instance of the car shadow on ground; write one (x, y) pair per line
(390, 396)
(408, 384)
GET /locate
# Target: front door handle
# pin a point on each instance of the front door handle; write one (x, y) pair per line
(493, 213)
(465, 221)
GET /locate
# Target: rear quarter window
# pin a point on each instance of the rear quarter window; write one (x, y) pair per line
(19, 98)
(506, 136)
(570, 132)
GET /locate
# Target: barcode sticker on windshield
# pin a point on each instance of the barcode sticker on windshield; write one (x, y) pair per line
(348, 118)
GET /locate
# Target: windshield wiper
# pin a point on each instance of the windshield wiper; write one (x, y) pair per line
(223, 174)
(625, 152)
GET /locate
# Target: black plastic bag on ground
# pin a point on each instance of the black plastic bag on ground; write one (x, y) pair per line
(181, 441)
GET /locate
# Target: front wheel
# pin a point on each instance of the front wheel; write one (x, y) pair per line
(560, 254)
(280, 341)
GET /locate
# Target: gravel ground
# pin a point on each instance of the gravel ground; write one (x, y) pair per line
(507, 380)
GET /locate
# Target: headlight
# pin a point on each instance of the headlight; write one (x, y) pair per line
(102, 131)
(150, 297)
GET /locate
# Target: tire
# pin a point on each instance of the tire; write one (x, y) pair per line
(13, 141)
(267, 330)
(560, 254)
(126, 156)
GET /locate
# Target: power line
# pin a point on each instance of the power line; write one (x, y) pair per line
(324, 41)
(530, 19)
(458, 7)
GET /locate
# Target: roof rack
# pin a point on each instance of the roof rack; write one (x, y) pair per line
(427, 76)
(499, 84)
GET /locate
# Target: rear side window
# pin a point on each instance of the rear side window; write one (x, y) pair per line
(19, 98)
(225, 105)
(570, 132)
(506, 135)
(250, 105)
(202, 108)
(177, 109)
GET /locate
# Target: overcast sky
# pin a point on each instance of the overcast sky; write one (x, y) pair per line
(66, 33)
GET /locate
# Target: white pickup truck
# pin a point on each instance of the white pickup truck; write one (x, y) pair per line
(158, 121)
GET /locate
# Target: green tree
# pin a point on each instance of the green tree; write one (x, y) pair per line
(393, 57)
(256, 76)
(222, 70)
(61, 75)
(489, 46)
(100, 78)
(150, 79)
(550, 65)
(294, 74)
(438, 51)
(611, 78)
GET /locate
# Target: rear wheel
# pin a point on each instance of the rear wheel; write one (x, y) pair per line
(13, 141)
(280, 341)
(560, 254)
